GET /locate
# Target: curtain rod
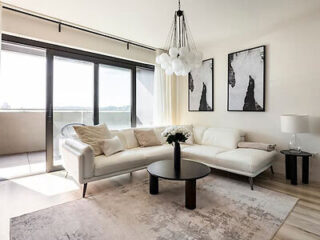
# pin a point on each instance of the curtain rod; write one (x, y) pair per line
(60, 23)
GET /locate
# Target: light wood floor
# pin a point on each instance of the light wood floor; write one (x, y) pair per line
(22, 164)
(28, 194)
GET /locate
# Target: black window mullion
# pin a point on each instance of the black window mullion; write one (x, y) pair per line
(49, 112)
(96, 94)
(133, 97)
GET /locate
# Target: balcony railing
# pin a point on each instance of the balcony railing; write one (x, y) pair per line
(24, 130)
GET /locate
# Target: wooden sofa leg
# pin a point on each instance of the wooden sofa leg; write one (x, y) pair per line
(271, 168)
(251, 182)
(84, 190)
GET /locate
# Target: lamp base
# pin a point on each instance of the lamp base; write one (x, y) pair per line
(295, 150)
(294, 144)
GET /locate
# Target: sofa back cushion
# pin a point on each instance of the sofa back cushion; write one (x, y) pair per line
(121, 137)
(198, 132)
(158, 131)
(221, 137)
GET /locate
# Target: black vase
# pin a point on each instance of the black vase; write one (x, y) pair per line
(177, 156)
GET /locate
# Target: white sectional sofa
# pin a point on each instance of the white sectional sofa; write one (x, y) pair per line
(215, 147)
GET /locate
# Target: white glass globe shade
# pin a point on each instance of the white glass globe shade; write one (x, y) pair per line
(173, 52)
(166, 57)
(165, 65)
(162, 58)
(188, 67)
(176, 65)
(183, 52)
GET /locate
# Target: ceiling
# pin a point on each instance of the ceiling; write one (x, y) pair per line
(148, 21)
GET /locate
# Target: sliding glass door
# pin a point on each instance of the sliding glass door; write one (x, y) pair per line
(84, 90)
(144, 96)
(72, 97)
(115, 98)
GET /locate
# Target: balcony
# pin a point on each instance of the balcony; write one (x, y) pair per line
(23, 138)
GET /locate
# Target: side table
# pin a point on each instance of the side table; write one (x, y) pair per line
(291, 165)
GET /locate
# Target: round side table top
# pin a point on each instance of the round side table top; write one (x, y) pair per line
(189, 170)
(294, 153)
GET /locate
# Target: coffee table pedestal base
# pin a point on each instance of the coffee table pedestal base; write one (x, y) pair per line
(154, 185)
(190, 191)
(191, 197)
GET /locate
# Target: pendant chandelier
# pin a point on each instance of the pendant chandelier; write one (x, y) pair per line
(183, 55)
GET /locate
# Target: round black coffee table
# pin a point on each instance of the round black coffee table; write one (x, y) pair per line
(190, 171)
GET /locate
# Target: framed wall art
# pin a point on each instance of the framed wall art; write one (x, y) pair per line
(200, 88)
(246, 80)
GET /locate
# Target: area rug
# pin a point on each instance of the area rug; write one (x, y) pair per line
(226, 209)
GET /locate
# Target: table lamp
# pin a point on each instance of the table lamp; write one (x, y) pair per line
(292, 123)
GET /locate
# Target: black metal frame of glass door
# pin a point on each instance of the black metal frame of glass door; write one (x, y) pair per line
(96, 59)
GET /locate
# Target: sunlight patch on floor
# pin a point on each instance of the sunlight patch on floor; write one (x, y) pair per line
(48, 184)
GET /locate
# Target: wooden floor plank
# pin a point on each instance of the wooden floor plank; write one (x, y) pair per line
(288, 232)
(303, 223)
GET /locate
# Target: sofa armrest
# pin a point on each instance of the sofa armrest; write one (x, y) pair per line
(78, 159)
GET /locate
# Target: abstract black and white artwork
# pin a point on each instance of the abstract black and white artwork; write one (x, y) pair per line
(201, 87)
(246, 73)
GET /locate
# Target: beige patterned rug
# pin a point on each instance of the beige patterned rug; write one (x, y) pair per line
(226, 209)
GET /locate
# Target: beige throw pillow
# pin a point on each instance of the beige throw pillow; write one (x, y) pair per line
(146, 137)
(92, 135)
(111, 146)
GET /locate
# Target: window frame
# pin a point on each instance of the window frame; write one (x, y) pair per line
(67, 52)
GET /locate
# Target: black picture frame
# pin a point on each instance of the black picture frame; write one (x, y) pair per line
(263, 108)
(212, 80)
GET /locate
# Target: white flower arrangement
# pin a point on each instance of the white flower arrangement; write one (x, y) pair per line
(176, 134)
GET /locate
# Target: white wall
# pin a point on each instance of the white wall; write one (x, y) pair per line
(30, 27)
(292, 86)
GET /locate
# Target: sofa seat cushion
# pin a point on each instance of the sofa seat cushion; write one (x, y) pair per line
(245, 160)
(205, 154)
(121, 161)
(157, 153)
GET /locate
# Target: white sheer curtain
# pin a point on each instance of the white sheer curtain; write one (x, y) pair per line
(163, 98)
(0, 32)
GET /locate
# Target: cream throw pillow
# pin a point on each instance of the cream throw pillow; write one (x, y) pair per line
(147, 137)
(111, 146)
(130, 138)
(92, 135)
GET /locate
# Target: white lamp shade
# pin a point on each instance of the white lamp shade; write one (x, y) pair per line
(291, 123)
